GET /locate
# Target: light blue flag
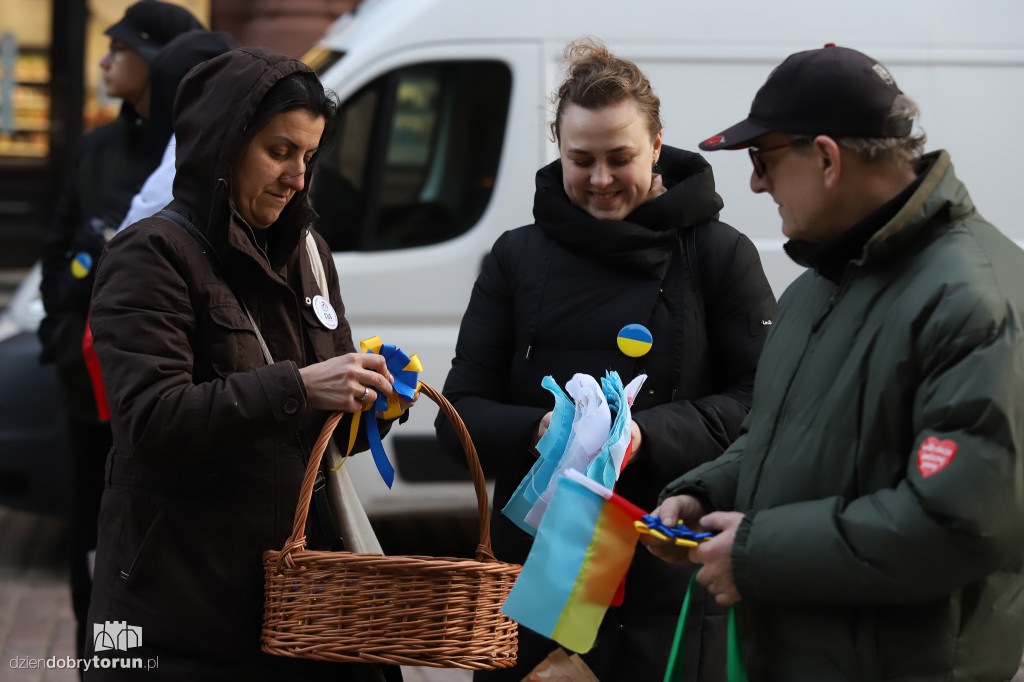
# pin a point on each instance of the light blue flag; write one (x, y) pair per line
(605, 466)
(551, 446)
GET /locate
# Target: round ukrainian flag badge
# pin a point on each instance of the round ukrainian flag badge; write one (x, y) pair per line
(635, 340)
(81, 265)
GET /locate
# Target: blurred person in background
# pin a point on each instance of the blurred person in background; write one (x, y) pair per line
(108, 167)
(169, 67)
(626, 232)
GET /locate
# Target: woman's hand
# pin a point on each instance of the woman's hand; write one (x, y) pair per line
(403, 403)
(636, 440)
(541, 429)
(347, 383)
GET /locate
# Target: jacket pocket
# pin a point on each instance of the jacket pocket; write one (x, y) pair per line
(130, 525)
(232, 345)
(195, 581)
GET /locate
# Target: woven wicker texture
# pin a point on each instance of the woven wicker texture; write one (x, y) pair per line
(405, 610)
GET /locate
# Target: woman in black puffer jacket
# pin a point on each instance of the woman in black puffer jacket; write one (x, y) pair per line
(626, 231)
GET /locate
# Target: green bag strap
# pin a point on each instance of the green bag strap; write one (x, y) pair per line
(735, 670)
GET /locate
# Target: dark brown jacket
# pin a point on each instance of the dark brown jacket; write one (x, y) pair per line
(209, 440)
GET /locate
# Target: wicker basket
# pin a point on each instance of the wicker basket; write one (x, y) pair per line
(404, 610)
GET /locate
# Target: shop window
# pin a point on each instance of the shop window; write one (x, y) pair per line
(415, 157)
(24, 98)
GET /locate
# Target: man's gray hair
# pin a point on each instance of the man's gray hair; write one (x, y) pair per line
(898, 150)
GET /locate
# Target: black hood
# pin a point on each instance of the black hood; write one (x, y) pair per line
(169, 67)
(643, 241)
(215, 102)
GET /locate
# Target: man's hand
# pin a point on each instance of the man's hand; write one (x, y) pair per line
(672, 509)
(716, 556)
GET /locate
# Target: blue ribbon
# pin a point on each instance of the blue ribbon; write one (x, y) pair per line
(405, 370)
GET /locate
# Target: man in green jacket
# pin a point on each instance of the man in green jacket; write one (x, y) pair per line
(870, 516)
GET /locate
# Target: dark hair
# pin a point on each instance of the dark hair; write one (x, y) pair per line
(598, 79)
(299, 90)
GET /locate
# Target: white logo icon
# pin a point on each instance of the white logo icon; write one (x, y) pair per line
(325, 312)
(884, 74)
(115, 635)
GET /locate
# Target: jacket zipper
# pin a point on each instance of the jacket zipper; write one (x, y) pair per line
(815, 326)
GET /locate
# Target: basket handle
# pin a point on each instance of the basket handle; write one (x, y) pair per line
(297, 540)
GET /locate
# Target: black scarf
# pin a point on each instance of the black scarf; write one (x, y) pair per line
(643, 242)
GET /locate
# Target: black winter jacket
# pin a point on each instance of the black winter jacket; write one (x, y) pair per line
(551, 300)
(107, 170)
(110, 167)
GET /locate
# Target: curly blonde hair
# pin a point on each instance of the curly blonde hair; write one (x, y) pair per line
(597, 79)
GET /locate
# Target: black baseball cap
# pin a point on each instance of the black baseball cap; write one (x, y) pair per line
(149, 25)
(831, 91)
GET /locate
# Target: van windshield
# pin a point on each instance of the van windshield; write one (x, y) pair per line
(415, 157)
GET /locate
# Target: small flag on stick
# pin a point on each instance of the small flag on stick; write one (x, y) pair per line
(583, 548)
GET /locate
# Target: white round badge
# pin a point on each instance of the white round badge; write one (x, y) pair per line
(325, 312)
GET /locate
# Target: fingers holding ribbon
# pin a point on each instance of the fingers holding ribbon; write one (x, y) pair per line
(402, 374)
(347, 383)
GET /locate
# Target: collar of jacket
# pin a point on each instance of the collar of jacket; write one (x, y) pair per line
(138, 130)
(893, 225)
(830, 258)
(644, 241)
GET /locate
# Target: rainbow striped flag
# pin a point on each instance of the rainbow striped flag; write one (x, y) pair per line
(579, 558)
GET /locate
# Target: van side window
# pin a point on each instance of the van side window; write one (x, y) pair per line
(415, 157)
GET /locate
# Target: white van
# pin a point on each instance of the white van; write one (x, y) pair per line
(444, 124)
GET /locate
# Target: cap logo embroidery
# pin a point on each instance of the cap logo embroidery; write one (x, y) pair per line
(884, 74)
(717, 139)
(935, 455)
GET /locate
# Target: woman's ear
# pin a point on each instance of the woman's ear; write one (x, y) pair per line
(830, 160)
(657, 147)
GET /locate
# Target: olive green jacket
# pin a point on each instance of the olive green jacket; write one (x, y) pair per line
(880, 467)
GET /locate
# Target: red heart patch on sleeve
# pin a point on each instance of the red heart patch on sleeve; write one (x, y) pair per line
(935, 455)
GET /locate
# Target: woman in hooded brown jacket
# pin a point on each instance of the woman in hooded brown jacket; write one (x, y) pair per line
(221, 363)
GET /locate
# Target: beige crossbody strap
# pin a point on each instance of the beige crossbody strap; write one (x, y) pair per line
(317, 265)
(353, 524)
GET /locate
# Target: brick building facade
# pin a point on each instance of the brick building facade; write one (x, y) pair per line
(287, 26)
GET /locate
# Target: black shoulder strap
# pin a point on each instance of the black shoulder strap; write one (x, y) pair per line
(204, 243)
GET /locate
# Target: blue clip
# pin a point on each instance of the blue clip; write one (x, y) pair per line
(680, 535)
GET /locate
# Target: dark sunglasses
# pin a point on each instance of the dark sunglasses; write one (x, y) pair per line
(755, 157)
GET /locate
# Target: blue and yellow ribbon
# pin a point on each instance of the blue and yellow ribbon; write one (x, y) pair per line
(405, 369)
